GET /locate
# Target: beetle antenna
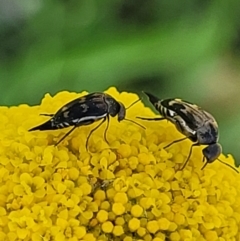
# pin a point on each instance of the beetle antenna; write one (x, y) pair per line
(205, 164)
(135, 102)
(229, 165)
(135, 123)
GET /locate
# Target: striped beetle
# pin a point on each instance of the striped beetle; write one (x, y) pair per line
(86, 110)
(194, 123)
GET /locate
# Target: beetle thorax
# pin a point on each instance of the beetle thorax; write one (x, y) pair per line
(115, 108)
(207, 133)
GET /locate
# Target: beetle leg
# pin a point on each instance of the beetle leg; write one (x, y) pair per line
(184, 165)
(95, 128)
(66, 135)
(151, 119)
(51, 115)
(176, 141)
(105, 132)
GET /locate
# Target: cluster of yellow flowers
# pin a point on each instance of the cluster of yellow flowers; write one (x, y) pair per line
(131, 189)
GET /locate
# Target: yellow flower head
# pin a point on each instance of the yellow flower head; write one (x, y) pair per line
(128, 188)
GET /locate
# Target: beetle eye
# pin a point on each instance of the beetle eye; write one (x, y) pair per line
(212, 152)
(122, 112)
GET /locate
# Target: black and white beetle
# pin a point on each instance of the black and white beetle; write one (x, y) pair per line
(86, 110)
(194, 123)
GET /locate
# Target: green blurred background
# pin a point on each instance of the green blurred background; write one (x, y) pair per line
(188, 49)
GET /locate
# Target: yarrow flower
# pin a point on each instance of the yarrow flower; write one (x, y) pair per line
(129, 189)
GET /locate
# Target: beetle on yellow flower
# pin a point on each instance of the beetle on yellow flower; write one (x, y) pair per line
(49, 192)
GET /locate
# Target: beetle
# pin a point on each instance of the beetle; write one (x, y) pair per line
(194, 123)
(86, 110)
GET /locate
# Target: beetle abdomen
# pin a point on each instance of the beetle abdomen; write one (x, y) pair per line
(45, 126)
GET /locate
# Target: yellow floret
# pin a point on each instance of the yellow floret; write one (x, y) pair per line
(102, 216)
(79, 232)
(211, 236)
(118, 231)
(184, 233)
(148, 237)
(118, 208)
(93, 222)
(158, 239)
(119, 221)
(105, 205)
(179, 219)
(144, 158)
(164, 223)
(175, 236)
(110, 193)
(111, 216)
(143, 222)
(146, 203)
(86, 188)
(73, 173)
(133, 162)
(136, 211)
(121, 197)
(100, 195)
(141, 231)
(124, 150)
(107, 227)
(153, 226)
(127, 239)
(172, 227)
(134, 224)
(89, 237)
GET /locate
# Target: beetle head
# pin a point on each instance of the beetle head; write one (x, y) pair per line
(121, 112)
(212, 152)
(117, 108)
